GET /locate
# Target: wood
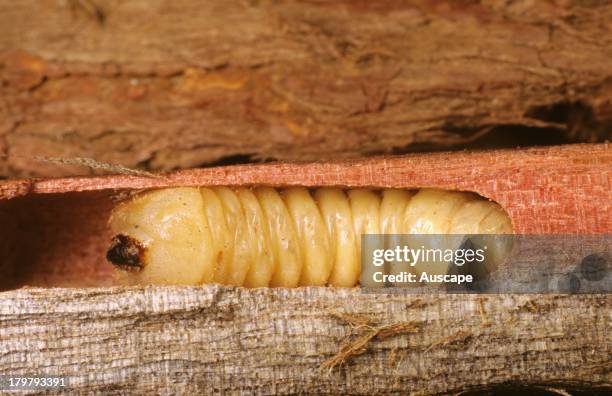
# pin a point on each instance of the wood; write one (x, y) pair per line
(166, 84)
(215, 339)
(211, 338)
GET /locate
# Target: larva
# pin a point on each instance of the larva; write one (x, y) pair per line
(257, 237)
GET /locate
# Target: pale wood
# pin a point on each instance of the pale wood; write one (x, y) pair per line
(238, 341)
(166, 84)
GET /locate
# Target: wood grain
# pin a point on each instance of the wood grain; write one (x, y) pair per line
(166, 84)
(232, 340)
(238, 341)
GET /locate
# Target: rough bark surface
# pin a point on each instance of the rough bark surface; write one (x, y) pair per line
(164, 84)
(240, 341)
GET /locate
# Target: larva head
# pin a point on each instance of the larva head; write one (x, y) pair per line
(161, 237)
(126, 253)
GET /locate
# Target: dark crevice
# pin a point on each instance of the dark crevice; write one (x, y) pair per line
(558, 112)
(581, 124)
(237, 159)
(501, 136)
(570, 122)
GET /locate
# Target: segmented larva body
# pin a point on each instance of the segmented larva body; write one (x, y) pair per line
(263, 236)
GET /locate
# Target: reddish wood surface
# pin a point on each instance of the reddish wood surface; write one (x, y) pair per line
(174, 84)
(54, 230)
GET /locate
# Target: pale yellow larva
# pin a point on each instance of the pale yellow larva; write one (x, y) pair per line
(257, 237)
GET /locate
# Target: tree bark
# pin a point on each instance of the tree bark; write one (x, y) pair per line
(273, 341)
(170, 84)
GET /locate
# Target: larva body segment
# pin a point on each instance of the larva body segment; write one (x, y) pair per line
(336, 211)
(431, 212)
(314, 241)
(236, 222)
(258, 237)
(393, 222)
(221, 238)
(495, 222)
(262, 256)
(283, 239)
(365, 206)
